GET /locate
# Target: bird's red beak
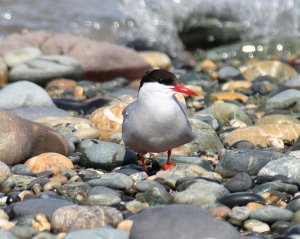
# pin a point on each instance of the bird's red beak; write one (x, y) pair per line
(182, 89)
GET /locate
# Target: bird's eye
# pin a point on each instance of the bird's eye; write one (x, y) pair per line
(160, 81)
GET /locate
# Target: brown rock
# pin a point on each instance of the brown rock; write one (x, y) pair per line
(254, 205)
(71, 218)
(276, 69)
(156, 59)
(260, 134)
(40, 223)
(61, 84)
(100, 60)
(49, 162)
(22, 139)
(233, 85)
(208, 64)
(277, 119)
(220, 212)
(108, 120)
(228, 96)
(3, 72)
(125, 225)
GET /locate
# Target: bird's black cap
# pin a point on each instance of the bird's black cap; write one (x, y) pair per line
(160, 76)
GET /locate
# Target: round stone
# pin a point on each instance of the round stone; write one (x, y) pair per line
(36, 139)
(238, 183)
(272, 214)
(45, 68)
(21, 55)
(253, 225)
(76, 217)
(103, 232)
(53, 162)
(24, 94)
(156, 59)
(152, 223)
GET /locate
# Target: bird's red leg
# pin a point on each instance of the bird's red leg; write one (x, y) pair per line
(168, 164)
(143, 162)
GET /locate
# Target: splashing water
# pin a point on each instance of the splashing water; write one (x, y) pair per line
(155, 20)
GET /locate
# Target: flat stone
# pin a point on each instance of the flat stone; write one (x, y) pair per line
(21, 55)
(34, 206)
(206, 141)
(7, 235)
(151, 223)
(254, 225)
(288, 165)
(223, 95)
(24, 94)
(36, 139)
(99, 60)
(105, 155)
(241, 199)
(272, 214)
(294, 205)
(80, 127)
(99, 190)
(245, 160)
(101, 200)
(36, 112)
(260, 134)
(45, 68)
(100, 233)
(275, 186)
(73, 218)
(112, 180)
(277, 119)
(225, 112)
(285, 100)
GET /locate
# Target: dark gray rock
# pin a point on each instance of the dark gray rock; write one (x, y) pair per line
(229, 72)
(245, 160)
(275, 186)
(238, 183)
(99, 190)
(180, 222)
(294, 205)
(285, 100)
(34, 206)
(105, 155)
(241, 199)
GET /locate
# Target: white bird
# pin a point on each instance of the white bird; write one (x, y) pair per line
(157, 122)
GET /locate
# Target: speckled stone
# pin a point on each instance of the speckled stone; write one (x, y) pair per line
(71, 218)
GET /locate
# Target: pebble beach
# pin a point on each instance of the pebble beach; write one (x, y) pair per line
(65, 172)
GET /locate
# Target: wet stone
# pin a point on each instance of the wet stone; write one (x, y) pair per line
(272, 214)
(72, 218)
(241, 199)
(275, 186)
